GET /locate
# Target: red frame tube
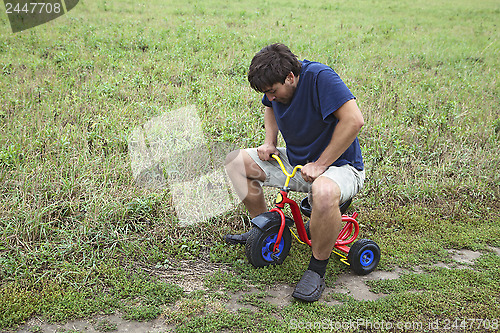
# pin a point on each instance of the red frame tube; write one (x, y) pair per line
(342, 240)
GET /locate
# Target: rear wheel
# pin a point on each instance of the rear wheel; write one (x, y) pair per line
(260, 244)
(363, 256)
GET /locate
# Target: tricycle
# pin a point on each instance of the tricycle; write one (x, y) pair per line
(270, 238)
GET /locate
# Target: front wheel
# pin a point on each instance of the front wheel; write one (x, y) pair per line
(363, 256)
(260, 244)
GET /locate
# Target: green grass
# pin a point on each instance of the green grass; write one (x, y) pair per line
(78, 237)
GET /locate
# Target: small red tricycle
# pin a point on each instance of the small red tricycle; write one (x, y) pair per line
(270, 238)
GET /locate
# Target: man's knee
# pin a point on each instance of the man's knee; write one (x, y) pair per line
(240, 162)
(325, 193)
(232, 159)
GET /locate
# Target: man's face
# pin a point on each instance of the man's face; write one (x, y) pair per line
(283, 92)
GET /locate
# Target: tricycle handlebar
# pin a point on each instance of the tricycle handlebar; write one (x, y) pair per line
(288, 175)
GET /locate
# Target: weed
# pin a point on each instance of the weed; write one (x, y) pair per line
(106, 326)
(226, 280)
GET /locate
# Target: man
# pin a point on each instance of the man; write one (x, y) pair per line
(319, 120)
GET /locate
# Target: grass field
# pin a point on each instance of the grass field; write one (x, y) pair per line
(79, 237)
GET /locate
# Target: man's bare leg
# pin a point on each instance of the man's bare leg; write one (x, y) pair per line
(326, 219)
(325, 225)
(245, 175)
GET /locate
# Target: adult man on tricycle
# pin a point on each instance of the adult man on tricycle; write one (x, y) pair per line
(319, 120)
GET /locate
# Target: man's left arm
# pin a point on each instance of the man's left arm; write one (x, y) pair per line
(350, 121)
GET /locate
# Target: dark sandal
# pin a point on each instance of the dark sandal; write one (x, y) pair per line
(310, 287)
(237, 239)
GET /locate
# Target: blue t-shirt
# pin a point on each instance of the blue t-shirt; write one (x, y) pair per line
(308, 122)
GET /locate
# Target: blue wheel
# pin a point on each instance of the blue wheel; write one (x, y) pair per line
(363, 256)
(268, 246)
(260, 244)
(366, 258)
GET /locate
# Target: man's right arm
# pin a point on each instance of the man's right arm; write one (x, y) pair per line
(271, 127)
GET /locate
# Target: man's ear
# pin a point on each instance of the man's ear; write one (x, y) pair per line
(290, 78)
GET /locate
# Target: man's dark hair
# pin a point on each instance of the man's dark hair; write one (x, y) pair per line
(272, 65)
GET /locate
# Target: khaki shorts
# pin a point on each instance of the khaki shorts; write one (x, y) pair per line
(349, 179)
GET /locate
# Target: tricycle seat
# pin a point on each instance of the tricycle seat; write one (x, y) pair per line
(305, 206)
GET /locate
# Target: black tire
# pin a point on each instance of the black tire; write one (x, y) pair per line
(363, 256)
(259, 245)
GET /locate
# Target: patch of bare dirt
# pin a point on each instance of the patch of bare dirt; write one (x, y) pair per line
(187, 274)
